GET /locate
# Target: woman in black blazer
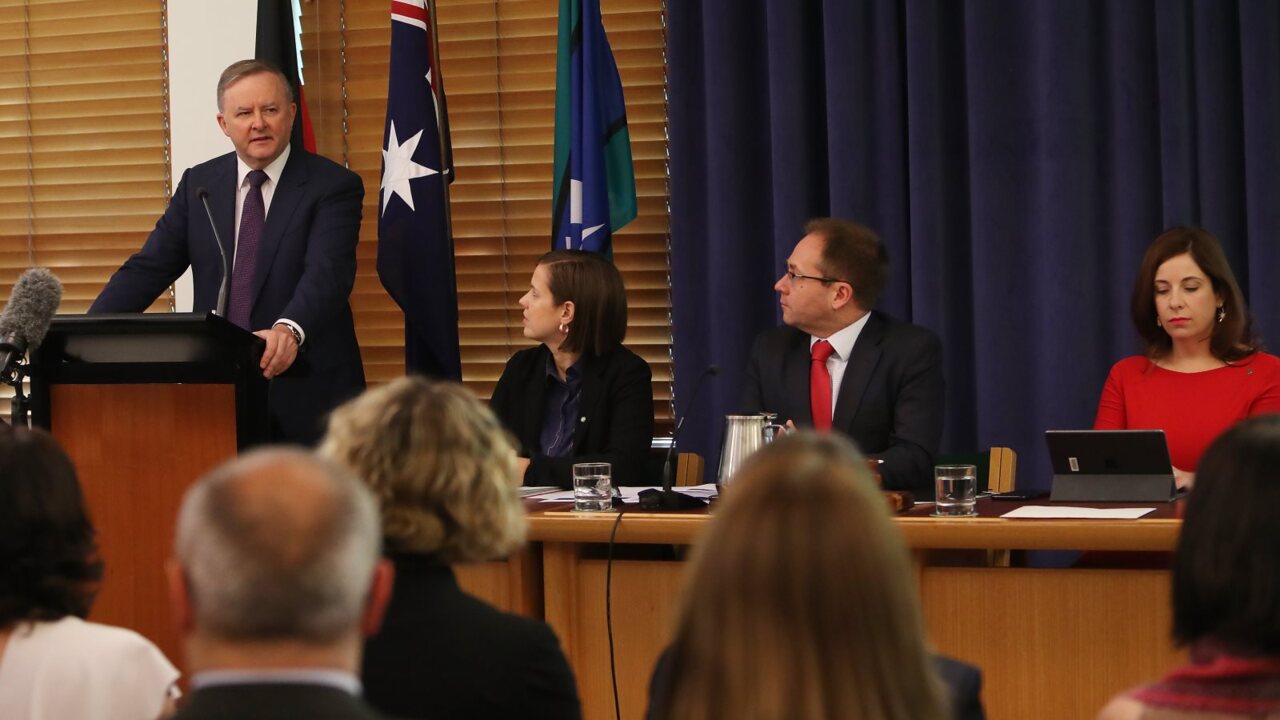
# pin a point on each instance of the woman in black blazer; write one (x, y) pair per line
(580, 396)
(444, 473)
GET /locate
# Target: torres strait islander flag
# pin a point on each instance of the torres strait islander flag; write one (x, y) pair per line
(595, 183)
(415, 248)
(279, 42)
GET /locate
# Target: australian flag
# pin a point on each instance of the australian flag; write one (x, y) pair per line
(415, 249)
(595, 183)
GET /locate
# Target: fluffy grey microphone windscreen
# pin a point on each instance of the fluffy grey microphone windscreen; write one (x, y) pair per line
(32, 305)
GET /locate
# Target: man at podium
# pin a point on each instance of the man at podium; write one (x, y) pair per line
(288, 221)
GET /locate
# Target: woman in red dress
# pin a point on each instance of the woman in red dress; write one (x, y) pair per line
(1203, 370)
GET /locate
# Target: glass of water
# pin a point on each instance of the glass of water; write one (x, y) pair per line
(957, 490)
(592, 487)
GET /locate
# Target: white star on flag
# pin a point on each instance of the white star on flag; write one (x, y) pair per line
(398, 168)
(575, 213)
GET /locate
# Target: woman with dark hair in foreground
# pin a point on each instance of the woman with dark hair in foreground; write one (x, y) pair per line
(800, 601)
(1226, 588)
(53, 664)
(1202, 370)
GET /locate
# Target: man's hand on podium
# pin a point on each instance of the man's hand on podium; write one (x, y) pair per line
(282, 350)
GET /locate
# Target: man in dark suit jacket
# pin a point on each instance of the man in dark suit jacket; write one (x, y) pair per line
(885, 388)
(277, 580)
(289, 276)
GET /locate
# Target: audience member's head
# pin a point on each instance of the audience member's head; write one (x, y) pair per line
(800, 601)
(441, 465)
(278, 549)
(49, 566)
(1226, 571)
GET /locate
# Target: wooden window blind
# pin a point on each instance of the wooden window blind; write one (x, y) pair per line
(83, 171)
(83, 167)
(498, 64)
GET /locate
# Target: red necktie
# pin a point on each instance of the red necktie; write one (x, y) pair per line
(820, 385)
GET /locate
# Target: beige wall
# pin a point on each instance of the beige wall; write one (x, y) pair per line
(204, 38)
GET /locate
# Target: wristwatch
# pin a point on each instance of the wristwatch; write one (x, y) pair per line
(297, 336)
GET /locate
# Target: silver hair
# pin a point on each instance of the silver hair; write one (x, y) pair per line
(262, 566)
(242, 69)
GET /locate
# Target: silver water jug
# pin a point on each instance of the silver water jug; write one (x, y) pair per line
(743, 435)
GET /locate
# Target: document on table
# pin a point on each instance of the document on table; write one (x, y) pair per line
(1064, 512)
(532, 490)
(632, 494)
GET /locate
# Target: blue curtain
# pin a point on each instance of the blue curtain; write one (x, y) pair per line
(1016, 157)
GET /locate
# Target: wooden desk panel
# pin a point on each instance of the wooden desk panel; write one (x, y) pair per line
(134, 469)
(513, 585)
(1051, 643)
(646, 596)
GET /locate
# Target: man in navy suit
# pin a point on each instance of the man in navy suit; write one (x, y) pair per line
(289, 222)
(840, 365)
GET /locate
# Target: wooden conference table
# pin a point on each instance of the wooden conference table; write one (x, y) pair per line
(1052, 643)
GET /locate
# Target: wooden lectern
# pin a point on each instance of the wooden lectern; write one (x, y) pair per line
(145, 404)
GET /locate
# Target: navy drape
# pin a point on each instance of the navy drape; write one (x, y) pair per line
(1016, 157)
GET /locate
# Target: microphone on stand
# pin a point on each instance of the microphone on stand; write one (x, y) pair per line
(23, 324)
(221, 310)
(666, 498)
(25, 319)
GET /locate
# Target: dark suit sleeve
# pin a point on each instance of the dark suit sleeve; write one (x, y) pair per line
(549, 683)
(917, 418)
(660, 686)
(504, 402)
(751, 400)
(963, 683)
(500, 400)
(622, 438)
(162, 259)
(329, 266)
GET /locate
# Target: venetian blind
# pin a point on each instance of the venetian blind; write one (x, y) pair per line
(82, 139)
(498, 64)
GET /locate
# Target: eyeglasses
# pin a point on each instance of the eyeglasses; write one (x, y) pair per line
(792, 277)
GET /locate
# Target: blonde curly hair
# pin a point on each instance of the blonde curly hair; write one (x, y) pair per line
(440, 464)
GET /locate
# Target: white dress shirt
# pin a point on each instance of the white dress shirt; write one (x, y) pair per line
(842, 344)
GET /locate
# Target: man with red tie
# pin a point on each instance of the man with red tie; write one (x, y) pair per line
(288, 221)
(839, 364)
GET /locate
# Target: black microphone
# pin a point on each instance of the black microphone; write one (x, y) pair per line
(222, 252)
(25, 320)
(668, 499)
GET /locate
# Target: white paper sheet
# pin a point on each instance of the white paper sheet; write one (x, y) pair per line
(1049, 512)
(532, 490)
(632, 494)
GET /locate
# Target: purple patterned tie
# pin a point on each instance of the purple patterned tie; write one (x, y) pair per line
(253, 216)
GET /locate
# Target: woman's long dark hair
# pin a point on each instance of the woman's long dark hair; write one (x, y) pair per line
(49, 566)
(1226, 570)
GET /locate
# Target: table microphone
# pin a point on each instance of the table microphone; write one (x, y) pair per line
(221, 310)
(666, 498)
